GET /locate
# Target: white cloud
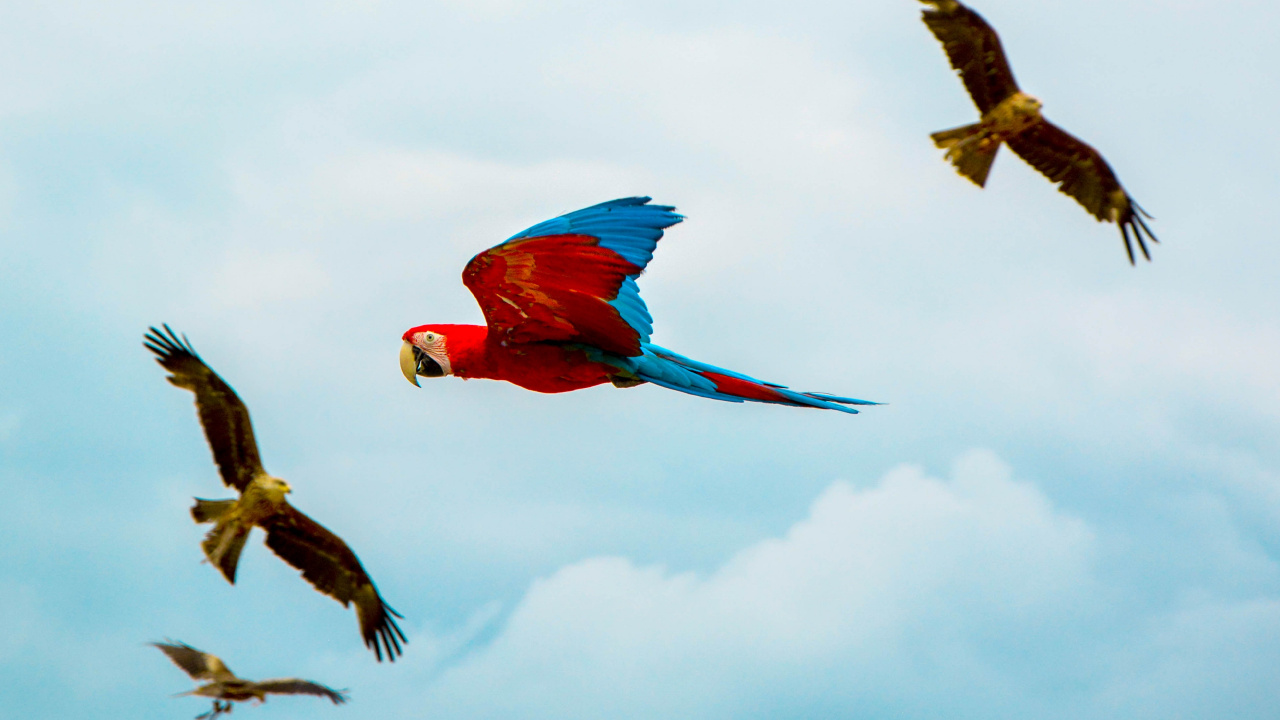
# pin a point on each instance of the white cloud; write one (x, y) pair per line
(377, 185)
(510, 9)
(249, 278)
(918, 597)
(743, 92)
(789, 121)
(1152, 340)
(916, 580)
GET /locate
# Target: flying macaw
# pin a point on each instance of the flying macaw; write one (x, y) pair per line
(564, 313)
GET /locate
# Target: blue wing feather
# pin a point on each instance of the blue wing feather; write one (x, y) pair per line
(628, 226)
(632, 308)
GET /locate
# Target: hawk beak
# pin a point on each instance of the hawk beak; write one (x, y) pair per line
(409, 363)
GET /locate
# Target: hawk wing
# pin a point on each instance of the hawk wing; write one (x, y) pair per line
(1082, 172)
(332, 568)
(572, 279)
(199, 665)
(296, 686)
(222, 414)
(974, 50)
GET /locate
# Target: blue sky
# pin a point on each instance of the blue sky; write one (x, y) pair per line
(1068, 509)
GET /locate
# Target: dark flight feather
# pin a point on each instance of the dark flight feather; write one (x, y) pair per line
(974, 49)
(1081, 172)
(223, 415)
(296, 686)
(328, 564)
(199, 665)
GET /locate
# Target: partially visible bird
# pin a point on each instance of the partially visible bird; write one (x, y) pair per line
(1011, 116)
(324, 559)
(225, 688)
(563, 313)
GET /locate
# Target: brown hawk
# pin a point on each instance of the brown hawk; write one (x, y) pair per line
(1012, 117)
(324, 559)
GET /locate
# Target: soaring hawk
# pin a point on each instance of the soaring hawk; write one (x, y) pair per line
(1012, 117)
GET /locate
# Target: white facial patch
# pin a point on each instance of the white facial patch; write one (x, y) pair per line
(433, 344)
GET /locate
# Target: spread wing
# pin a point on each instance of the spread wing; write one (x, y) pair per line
(1082, 172)
(222, 414)
(199, 665)
(573, 279)
(296, 686)
(974, 50)
(328, 564)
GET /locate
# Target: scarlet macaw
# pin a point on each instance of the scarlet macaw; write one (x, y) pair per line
(564, 313)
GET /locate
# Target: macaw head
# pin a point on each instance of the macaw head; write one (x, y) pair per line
(425, 352)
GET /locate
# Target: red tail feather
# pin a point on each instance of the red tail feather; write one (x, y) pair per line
(745, 389)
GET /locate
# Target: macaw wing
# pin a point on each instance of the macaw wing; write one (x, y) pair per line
(573, 278)
(974, 49)
(329, 564)
(1081, 172)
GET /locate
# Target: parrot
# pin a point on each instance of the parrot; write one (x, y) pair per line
(563, 312)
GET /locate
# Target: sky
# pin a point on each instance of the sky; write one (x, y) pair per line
(1069, 507)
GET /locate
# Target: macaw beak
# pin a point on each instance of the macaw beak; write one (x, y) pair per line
(409, 363)
(414, 361)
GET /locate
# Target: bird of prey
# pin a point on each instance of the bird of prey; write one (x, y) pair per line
(225, 688)
(1012, 117)
(563, 313)
(324, 559)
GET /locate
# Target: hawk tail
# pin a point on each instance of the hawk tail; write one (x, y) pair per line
(970, 149)
(210, 510)
(223, 544)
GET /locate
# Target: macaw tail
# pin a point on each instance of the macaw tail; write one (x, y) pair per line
(677, 372)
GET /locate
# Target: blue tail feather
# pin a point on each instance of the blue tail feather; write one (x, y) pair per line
(673, 371)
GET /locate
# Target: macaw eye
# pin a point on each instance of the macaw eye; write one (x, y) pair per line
(430, 337)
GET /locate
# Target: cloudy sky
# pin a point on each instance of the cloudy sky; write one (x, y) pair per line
(1069, 508)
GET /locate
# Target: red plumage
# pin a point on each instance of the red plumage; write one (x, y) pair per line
(554, 289)
(564, 313)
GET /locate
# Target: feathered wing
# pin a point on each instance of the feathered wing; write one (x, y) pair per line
(222, 414)
(1081, 172)
(572, 279)
(199, 665)
(296, 686)
(328, 564)
(974, 49)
